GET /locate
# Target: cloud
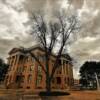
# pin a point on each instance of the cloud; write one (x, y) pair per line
(15, 26)
(85, 49)
(12, 21)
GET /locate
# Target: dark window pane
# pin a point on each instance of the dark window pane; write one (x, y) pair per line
(58, 80)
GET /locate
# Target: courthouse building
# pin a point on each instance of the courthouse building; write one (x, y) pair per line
(25, 72)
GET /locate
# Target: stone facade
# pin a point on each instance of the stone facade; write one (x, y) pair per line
(25, 72)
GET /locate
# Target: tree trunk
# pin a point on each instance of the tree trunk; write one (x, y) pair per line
(86, 79)
(48, 85)
(98, 85)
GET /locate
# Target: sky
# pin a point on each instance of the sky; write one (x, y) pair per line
(15, 26)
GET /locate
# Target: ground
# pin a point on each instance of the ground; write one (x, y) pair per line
(84, 95)
(75, 95)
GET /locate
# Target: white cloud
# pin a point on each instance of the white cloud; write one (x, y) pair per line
(13, 26)
(64, 4)
(87, 39)
(12, 21)
(88, 12)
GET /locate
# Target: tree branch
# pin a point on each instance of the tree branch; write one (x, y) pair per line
(38, 62)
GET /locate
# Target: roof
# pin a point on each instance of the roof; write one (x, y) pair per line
(26, 50)
(67, 56)
(14, 50)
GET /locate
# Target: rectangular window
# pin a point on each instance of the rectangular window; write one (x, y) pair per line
(19, 69)
(39, 79)
(18, 78)
(40, 69)
(39, 76)
(32, 68)
(29, 78)
(24, 68)
(22, 79)
(58, 80)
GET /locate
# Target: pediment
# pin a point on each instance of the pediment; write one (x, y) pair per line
(14, 50)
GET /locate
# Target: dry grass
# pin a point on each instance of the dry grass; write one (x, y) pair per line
(83, 95)
(75, 95)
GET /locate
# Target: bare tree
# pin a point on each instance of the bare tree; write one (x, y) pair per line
(51, 35)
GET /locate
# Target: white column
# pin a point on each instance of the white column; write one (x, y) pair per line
(68, 69)
(10, 67)
(13, 67)
(17, 60)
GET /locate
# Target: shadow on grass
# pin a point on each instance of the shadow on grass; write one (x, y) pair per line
(55, 93)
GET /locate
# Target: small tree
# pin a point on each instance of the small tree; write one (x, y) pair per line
(90, 72)
(53, 35)
(3, 69)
